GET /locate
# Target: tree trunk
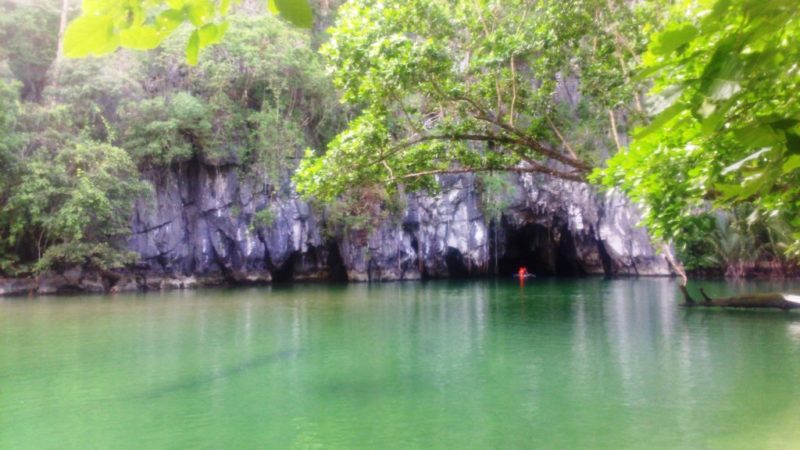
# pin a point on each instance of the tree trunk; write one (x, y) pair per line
(60, 52)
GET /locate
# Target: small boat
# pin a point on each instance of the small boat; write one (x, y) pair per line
(791, 298)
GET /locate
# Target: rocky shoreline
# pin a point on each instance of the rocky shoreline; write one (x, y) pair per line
(198, 229)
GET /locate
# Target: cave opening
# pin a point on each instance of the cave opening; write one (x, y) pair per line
(455, 263)
(543, 251)
(337, 271)
(285, 272)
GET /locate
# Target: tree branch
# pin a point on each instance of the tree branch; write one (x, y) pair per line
(562, 138)
(537, 168)
(614, 129)
(513, 91)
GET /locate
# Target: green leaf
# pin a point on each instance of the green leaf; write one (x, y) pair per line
(193, 48)
(725, 64)
(661, 119)
(209, 34)
(792, 163)
(295, 11)
(200, 12)
(648, 71)
(657, 103)
(141, 38)
(169, 20)
(671, 39)
(758, 136)
(90, 35)
(741, 191)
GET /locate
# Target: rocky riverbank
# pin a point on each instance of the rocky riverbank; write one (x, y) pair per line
(199, 229)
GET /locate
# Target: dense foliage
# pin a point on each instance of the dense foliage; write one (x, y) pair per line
(28, 51)
(72, 158)
(726, 130)
(435, 87)
(79, 198)
(447, 87)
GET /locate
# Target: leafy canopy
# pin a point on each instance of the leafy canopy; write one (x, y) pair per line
(453, 86)
(105, 25)
(257, 99)
(70, 164)
(726, 125)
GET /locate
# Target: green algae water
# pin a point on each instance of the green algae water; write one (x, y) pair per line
(487, 364)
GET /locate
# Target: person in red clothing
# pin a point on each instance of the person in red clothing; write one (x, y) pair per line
(523, 272)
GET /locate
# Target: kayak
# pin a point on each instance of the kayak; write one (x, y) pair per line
(527, 275)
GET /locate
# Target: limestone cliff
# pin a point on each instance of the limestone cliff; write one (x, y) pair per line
(199, 226)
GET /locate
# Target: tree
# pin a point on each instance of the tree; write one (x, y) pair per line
(464, 86)
(74, 207)
(726, 125)
(28, 43)
(258, 98)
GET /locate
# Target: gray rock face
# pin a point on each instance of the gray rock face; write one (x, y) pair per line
(199, 227)
(200, 222)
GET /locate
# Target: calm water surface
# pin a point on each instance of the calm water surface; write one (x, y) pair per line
(557, 364)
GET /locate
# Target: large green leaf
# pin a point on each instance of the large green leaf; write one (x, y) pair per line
(298, 12)
(193, 48)
(661, 119)
(200, 12)
(141, 38)
(673, 38)
(725, 64)
(90, 35)
(169, 20)
(211, 34)
(759, 135)
(792, 163)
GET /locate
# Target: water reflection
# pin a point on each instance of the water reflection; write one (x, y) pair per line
(558, 363)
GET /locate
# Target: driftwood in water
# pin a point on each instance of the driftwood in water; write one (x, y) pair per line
(763, 300)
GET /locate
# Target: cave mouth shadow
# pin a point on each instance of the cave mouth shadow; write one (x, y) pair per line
(543, 251)
(327, 260)
(285, 272)
(454, 261)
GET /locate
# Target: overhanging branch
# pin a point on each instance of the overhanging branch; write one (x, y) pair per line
(538, 168)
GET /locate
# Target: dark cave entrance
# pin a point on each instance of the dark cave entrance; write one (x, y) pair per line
(455, 263)
(543, 251)
(285, 272)
(317, 263)
(337, 271)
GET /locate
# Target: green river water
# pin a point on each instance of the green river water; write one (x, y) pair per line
(587, 363)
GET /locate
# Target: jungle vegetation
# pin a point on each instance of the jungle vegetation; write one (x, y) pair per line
(686, 106)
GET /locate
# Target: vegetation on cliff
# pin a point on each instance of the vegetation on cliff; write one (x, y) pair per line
(74, 148)
(692, 100)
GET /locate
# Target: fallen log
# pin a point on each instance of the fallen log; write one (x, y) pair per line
(762, 300)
